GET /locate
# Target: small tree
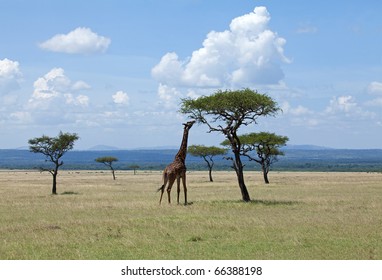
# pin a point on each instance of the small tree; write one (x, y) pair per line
(226, 112)
(266, 147)
(207, 153)
(53, 148)
(134, 167)
(108, 161)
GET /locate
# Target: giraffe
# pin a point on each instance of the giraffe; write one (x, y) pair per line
(177, 169)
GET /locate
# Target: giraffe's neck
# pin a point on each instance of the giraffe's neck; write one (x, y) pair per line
(183, 147)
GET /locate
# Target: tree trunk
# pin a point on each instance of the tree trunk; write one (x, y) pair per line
(210, 165)
(266, 178)
(112, 171)
(265, 173)
(238, 166)
(210, 173)
(54, 188)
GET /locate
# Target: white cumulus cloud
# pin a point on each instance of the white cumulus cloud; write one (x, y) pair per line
(80, 100)
(55, 101)
(375, 88)
(9, 69)
(10, 75)
(80, 85)
(246, 54)
(51, 84)
(56, 87)
(82, 40)
(295, 111)
(342, 104)
(348, 106)
(121, 98)
(168, 95)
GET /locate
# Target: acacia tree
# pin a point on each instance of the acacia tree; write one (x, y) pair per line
(225, 112)
(108, 161)
(134, 167)
(266, 147)
(207, 153)
(53, 148)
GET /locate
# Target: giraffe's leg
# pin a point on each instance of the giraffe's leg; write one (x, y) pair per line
(184, 187)
(178, 187)
(161, 195)
(170, 183)
(165, 180)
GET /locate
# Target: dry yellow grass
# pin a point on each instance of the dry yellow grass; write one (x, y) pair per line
(297, 216)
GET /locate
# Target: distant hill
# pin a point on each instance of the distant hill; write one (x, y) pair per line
(300, 158)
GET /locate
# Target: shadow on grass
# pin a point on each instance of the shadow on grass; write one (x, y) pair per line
(70, 193)
(274, 202)
(260, 202)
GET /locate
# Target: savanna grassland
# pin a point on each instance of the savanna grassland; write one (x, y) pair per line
(298, 215)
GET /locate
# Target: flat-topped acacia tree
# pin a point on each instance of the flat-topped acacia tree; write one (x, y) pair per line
(53, 148)
(263, 148)
(207, 153)
(266, 146)
(225, 112)
(108, 161)
(134, 167)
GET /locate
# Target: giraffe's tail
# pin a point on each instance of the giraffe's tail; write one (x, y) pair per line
(161, 188)
(164, 182)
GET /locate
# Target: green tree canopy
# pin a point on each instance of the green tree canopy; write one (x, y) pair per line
(106, 159)
(225, 112)
(53, 148)
(207, 153)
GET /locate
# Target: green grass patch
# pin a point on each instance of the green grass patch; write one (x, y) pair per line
(297, 216)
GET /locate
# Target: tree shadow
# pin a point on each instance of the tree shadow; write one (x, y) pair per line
(264, 202)
(274, 202)
(70, 193)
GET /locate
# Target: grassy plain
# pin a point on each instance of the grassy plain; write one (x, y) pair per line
(297, 216)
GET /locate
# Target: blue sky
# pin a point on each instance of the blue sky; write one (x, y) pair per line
(114, 71)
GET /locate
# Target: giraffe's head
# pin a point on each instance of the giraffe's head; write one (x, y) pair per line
(189, 124)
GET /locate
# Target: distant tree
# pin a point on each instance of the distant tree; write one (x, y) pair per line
(266, 147)
(53, 148)
(134, 167)
(207, 153)
(108, 161)
(226, 112)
